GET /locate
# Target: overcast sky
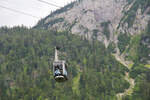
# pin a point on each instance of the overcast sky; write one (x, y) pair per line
(34, 7)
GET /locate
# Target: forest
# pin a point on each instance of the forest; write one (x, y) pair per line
(26, 57)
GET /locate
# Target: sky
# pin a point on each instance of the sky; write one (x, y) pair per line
(32, 7)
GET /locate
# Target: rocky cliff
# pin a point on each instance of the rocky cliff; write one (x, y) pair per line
(109, 21)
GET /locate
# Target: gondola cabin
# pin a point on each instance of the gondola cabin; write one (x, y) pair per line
(59, 69)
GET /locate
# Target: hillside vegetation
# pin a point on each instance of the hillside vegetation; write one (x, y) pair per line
(26, 57)
(106, 44)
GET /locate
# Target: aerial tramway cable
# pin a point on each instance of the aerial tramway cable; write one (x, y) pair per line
(49, 3)
(28, 14)
(17, 11)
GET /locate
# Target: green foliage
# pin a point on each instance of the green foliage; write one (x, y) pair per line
(130, 18)
(144, 50)
(55, 21)
(138, 49)
(95, 34)
(139, 53)
(105, 26)
(142, 87)
(137, 69)
(130, 15)
(111, 47)
(61, 10)
(52, 22)
(123, 41)
(71, 26)
(26, 57)
(133, 48)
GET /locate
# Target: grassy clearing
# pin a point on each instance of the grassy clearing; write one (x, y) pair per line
(75, 87)
(130, 65)
(148, 66)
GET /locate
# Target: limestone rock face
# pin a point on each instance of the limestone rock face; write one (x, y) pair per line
(104, 19)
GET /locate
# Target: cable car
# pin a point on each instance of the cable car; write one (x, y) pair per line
(59, 68)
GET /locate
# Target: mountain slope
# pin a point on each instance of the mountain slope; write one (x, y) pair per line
(26, 57)
(116, 23)
(101, 18)
(113, 22)
(106, 28)
(121, 25)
